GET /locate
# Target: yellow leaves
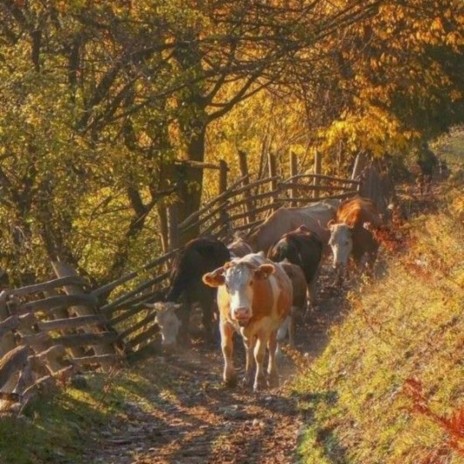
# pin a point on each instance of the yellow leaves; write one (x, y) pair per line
(373, 130)
(437, 25)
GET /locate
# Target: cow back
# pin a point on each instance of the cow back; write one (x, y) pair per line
(199, 256)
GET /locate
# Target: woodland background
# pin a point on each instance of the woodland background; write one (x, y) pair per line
(112, 111)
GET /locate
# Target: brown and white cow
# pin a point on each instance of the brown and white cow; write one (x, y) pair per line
(254, 298)
(315, 217)
(349, 238)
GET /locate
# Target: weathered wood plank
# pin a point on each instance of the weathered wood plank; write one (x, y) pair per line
(126, 315)
(46, 286)
(153, 330)
(9, 324)
(112, 285)
(12, 362)
(84, 339)
(138, 325)
(53, 302)
(70, 323)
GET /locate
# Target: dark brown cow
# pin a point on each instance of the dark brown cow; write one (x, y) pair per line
(199, 256)
(315, 217)
(254, 298)
(350, 238)
(301, 247)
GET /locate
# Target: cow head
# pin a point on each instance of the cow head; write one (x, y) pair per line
(168, 322)
(341, 243)
(239, 279)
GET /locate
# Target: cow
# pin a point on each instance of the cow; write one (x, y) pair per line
(239, 247)
(168, 322)
(315, 217)
(349, 238)
(300, 290)
(301, 247)
(254, 297)
(198, 257)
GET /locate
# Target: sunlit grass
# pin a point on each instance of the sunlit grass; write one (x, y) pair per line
(407, 325)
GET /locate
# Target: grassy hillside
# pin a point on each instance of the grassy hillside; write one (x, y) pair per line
(389, 387)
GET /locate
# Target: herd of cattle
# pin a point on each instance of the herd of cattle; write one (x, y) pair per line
(258, 285)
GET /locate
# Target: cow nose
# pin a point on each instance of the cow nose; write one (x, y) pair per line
(241, 314)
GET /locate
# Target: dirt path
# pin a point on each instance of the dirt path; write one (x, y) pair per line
(197, 420)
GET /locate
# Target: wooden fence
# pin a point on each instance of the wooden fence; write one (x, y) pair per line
(242, 207)
(48, 332)
(52, 330)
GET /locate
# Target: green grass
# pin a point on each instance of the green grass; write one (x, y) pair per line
(407, 325)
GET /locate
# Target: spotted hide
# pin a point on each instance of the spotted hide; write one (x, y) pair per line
(348, 236)
(254, 298)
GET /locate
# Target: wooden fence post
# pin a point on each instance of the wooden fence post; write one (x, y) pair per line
(318, 172)
(242, 157)
(293, 172)
(174, 239)
(164, 227)
(224, 215)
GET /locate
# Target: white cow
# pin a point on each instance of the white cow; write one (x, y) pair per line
(254, 298)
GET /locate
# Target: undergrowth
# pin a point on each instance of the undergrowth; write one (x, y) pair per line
(389, 387)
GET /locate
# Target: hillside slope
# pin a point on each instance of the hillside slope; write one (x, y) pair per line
(389, 386)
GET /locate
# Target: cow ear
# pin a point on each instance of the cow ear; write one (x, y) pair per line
(264, 271)
(214, 278)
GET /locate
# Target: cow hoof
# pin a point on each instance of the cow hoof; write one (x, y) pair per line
(247, 381)
(231, 383)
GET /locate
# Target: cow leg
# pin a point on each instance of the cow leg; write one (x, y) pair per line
(259, 352)
(207, 319)
(272, 364)
(248, 344)
(292, 326)
(227, 346)
(184, 316)
(281, 334)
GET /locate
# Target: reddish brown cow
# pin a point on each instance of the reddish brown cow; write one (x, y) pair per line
(315, 217)
(254, 298)
(349, 237)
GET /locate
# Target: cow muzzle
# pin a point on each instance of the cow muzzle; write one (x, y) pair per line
(242, 316)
